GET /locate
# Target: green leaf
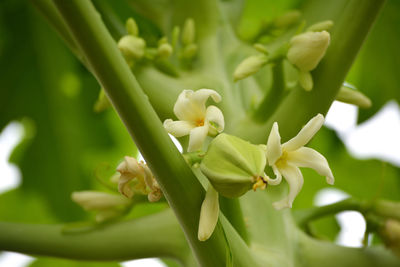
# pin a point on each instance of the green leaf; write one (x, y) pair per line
(65, 141)
(375, 70)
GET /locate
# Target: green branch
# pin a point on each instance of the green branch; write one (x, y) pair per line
(315, 253)
(156, 235)
(304, 216)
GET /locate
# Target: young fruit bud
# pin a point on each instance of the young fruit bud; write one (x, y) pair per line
(233, 165)
(307, 49)
(131, 27)
(132, 47)
(249, 66)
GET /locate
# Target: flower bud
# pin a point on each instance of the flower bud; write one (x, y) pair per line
(352, 96)
(190, 51)
(188, 32)
(307, 49)
(306, 81)
(93, 200)
(320, 26)
(390, 234)
(132, 47)
(164, 50)
(249, 66)
(287, 19)
(208, 214)
(233, 165)
(131, 27)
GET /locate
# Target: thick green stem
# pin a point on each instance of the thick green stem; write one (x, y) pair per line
(157, 235)
(181, 188)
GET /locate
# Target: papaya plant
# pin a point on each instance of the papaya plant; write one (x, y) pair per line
(244, 87)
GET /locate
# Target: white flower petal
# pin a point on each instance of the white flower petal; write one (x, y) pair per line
(274, 149)
(187, 108)
(197, 137)
(295, 180)
(208, 214)
(277, 180)
(130, 166)
(305, 134)
(201, 96)
(215, 116)
(178, 128)
(308, 157)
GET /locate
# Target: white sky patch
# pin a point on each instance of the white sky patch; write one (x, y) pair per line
(376, 138)
(12, 259)
(352, 223)
(10, 176)
(143, 263)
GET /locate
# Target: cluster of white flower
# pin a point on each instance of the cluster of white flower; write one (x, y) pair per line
(197, 120)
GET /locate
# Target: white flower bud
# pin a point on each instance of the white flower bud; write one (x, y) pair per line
(208, 214)
(132, 47)
(307, 49)
(93, 200)
(249, 66)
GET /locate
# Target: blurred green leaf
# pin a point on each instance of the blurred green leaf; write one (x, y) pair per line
(375, 71)
(65, 140)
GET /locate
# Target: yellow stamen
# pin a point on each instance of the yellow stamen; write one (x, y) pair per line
(260, 183)
(199, 122)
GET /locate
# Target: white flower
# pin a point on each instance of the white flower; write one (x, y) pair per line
(286, 159)
(144, 182)
(194, 118)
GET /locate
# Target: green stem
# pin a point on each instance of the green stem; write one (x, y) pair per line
(315, 253)
(305, 216)
(274, 96)
(180, 186)
(156, 235)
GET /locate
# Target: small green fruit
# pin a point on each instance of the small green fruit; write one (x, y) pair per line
(233, 165)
